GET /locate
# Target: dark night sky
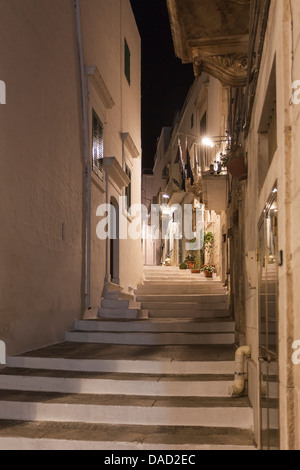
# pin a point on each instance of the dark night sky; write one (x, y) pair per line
(165, 80)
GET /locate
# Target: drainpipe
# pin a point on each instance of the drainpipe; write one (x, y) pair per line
(239, 377)
(86, 156)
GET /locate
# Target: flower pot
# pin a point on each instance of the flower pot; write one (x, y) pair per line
(191, 264)
(196, 271)
(208, 274)
(183, 267)
(237, 168)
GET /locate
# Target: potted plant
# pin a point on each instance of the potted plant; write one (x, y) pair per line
(190, 260)
(235, 163)
(183, 266)
(209, 270)
(197, 269)
(209, 240)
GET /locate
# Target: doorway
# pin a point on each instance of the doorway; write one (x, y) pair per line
(115, 245)
(268, 325)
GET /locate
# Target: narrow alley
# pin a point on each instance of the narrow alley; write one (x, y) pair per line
(150, 208)
(161, 383)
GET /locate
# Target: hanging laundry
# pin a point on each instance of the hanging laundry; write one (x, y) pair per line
(179, 160)
(190, 175)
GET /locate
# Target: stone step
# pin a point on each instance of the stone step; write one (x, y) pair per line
(157, 325)
(174, 298)
(188, 306)
(191, 277)
(122, 313)
(123, 366)
(169, 281)
(118, 304)
(118, 296)
(79, 436)
(115, 383)
(128, 410)
(179, 289)
(147, 338)
(78, 357)
(182, 314)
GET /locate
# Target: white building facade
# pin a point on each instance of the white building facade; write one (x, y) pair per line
(70, 133)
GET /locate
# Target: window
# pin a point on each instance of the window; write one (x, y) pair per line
(127, 62)
(192, 121)
(203, 160)
(203, 126)
(128, 189)
(97, 144)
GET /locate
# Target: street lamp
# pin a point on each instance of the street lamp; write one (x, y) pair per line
(207, 142)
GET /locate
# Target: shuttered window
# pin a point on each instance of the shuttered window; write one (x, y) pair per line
(128, 189)
(127, 61)
(97, 144)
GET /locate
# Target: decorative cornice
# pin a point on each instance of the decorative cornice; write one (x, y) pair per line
(114, 170)
(100, 86)
(177, 30)
(213, 35)
(130, 145)
(231, 69)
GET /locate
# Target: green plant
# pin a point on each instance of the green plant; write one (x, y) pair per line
(225, 159)
(209, 240)
(190, 258)
(183, 266)
(210, 268)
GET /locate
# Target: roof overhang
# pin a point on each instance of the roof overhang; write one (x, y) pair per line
(213, 35)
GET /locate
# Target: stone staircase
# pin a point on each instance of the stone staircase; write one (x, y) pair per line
(156, 381)
(115, 304)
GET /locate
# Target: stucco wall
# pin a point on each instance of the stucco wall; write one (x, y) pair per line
(284, 167)
(42, 170)
(41, 174)
(106, 24)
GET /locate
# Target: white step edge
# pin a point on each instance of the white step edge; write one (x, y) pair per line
(216, 417)
(155, 387)
(201, 298)
(155, 327)
(120, 304)
(123, 366)
(119, 313)
(186, 314)
(140, 339)
(189, 307)
(22, 443)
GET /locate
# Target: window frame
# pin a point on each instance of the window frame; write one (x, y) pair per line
(128, 189)
(97, 168)
(127, 62)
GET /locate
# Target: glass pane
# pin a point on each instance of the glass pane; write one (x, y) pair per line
(268, 303)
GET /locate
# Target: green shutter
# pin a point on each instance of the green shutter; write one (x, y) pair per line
(128, 189)
(127, 62)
